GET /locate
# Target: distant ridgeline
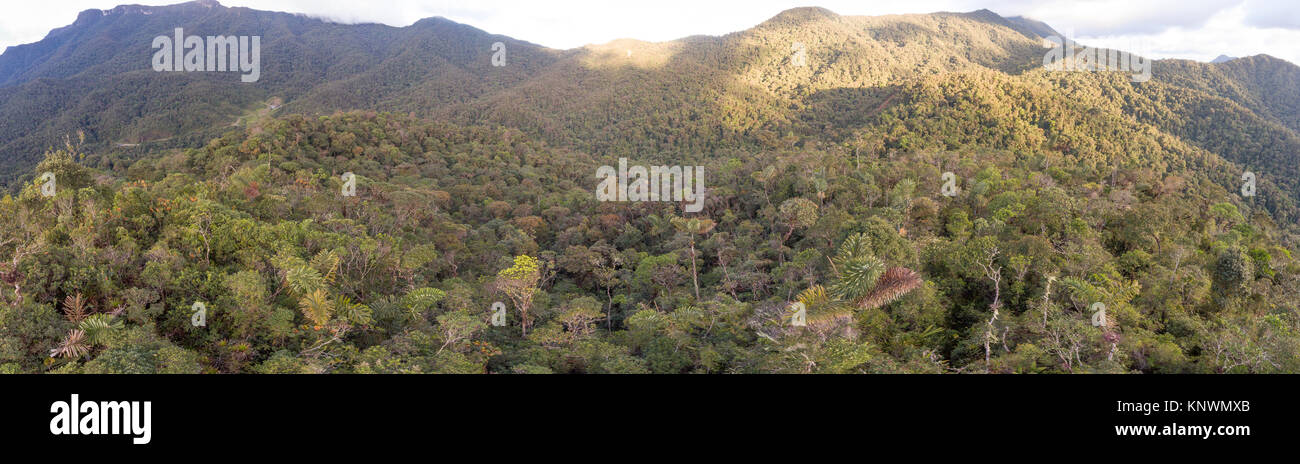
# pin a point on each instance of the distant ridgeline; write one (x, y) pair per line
(861, 77)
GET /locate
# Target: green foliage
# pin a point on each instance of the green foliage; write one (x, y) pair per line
(1074, 188)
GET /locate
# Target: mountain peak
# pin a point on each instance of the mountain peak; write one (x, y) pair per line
(1223, 59)
(801, 15)
(143, 9)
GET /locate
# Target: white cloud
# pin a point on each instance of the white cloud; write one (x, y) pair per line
(1273, 14)
(1195, 29)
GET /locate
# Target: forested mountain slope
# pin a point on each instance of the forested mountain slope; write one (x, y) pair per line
(95, 75)
(694, 95)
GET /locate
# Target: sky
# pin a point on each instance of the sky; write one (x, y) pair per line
(1191, 29)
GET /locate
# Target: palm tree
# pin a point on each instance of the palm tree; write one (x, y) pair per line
(861, 282)
(421, 300)
(326, 263)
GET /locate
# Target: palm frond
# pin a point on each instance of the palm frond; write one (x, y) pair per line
(423, 298)
(75, 308)
(861, 282)
(326, 263)
(316, 306)
(813, 296)
(99, 327)
(830, 316)
(891, 286)
(73, 345)
(857, 277)
(855, 246)
(304, 279)
(354, 313)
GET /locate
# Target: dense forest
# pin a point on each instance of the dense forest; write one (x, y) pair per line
(932, 199)
(447, 220)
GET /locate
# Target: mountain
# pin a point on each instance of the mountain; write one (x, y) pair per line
(934, 198)
(697, 94)
(95, 75)
(1223, 59)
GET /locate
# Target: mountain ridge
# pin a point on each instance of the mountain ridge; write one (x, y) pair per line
(736, 91)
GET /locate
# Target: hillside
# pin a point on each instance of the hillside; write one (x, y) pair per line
(693, 95)
(94, 76)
